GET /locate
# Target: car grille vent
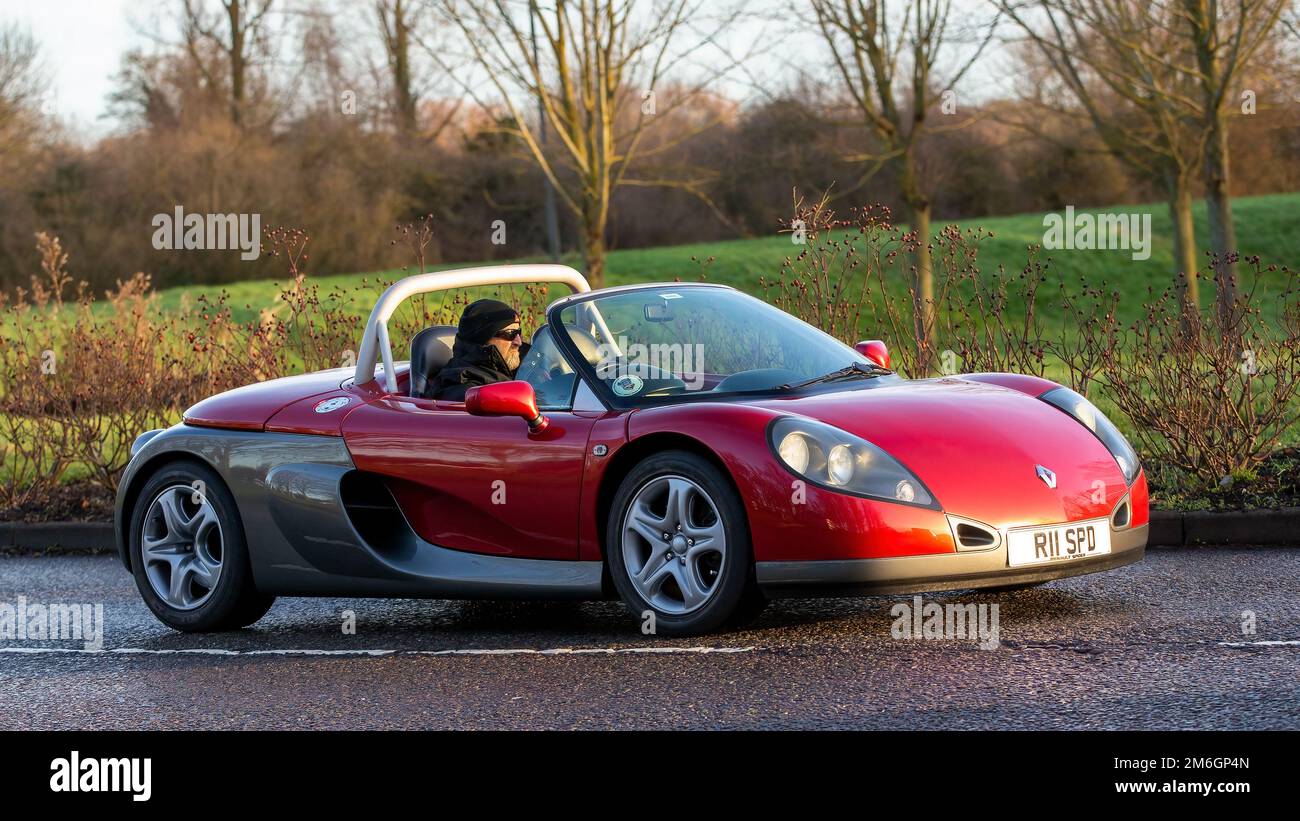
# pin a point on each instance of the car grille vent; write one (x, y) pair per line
(1122, 515)
(971, 536)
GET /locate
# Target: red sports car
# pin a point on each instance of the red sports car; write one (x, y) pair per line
(686, 447)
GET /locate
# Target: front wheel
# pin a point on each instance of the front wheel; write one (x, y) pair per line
(189, 555)
(678, 546)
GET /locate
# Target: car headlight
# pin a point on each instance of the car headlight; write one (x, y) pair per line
(794, 452)
(838, 460)
(1086, 414)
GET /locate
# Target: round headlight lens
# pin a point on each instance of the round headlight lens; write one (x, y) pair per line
(794, 452)
(1087, 414)
(839, 465)
(904, 491)
(1124, 465)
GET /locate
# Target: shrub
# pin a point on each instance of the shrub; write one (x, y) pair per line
(1211, 396)
(80, 379)
(852, 278)
(33, 454)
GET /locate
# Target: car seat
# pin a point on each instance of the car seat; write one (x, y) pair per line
(430, 352)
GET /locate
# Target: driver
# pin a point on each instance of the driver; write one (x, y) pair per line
(488, 348)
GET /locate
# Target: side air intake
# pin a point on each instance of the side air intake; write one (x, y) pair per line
(1123, 515)
(969, 534)
(972, 536)
(373, 511)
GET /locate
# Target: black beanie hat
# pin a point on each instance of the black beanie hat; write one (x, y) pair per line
(483, 319)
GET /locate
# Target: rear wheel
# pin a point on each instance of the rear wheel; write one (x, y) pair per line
(678, 546)
(188, 552)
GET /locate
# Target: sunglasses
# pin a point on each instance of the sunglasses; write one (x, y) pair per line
(510, 335)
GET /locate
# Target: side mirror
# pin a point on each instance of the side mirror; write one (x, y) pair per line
(507, 399)
(875, 350)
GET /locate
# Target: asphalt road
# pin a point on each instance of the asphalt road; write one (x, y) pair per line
(1155, 645)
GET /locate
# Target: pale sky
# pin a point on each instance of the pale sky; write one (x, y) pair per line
(82, 42)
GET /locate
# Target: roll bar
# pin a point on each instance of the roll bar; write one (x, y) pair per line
(375, 342)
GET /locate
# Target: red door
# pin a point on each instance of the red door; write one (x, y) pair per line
(474, 483)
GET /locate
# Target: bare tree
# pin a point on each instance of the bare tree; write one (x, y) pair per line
(1223, 40)
(415, 108)
(395, 27)
(22, 79)
(237, 34)
(325, 74)
(22, 82)
(24, 132)
(596, 69)
(888, 57)
(1116, 59)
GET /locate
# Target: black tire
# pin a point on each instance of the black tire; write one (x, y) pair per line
(233, 602)
(734, 598)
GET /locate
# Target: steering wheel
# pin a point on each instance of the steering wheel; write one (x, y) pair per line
(533, 368)
(654, 381)
(585, 343)
(537, 365)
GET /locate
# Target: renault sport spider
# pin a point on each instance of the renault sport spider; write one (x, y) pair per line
(687, 448)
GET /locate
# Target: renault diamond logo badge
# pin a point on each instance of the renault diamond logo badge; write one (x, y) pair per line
(1046, 475)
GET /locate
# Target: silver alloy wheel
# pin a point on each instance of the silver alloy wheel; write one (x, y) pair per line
(674, 544)
(182, 548)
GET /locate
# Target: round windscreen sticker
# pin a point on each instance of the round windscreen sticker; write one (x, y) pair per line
(331, 404)
(627, 385)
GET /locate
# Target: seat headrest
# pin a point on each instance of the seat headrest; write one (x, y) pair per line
(585, 343)
(430, 351)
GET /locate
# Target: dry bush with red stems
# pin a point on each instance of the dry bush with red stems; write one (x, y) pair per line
(81, 378)
(853, 277)
(1209, 395)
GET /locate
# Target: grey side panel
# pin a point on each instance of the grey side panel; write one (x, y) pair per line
(142, 440)
(304, 501)
(302, 541)
(243, 459)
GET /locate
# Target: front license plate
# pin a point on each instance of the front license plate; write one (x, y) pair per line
(1058, 543)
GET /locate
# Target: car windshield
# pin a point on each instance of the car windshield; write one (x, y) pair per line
(679, 341)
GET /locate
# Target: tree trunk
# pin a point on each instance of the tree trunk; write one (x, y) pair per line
(593, 249)
(237, 66)
(397, 41)
(1218, 201)
(1185, 265)
(1204, 23)
(402, 75)
(924, 308)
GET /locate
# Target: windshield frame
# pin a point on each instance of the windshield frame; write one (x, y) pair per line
(588, 373)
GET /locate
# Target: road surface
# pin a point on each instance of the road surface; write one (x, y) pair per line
(1151, 646)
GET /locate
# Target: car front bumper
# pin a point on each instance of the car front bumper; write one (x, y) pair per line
(946, 571)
